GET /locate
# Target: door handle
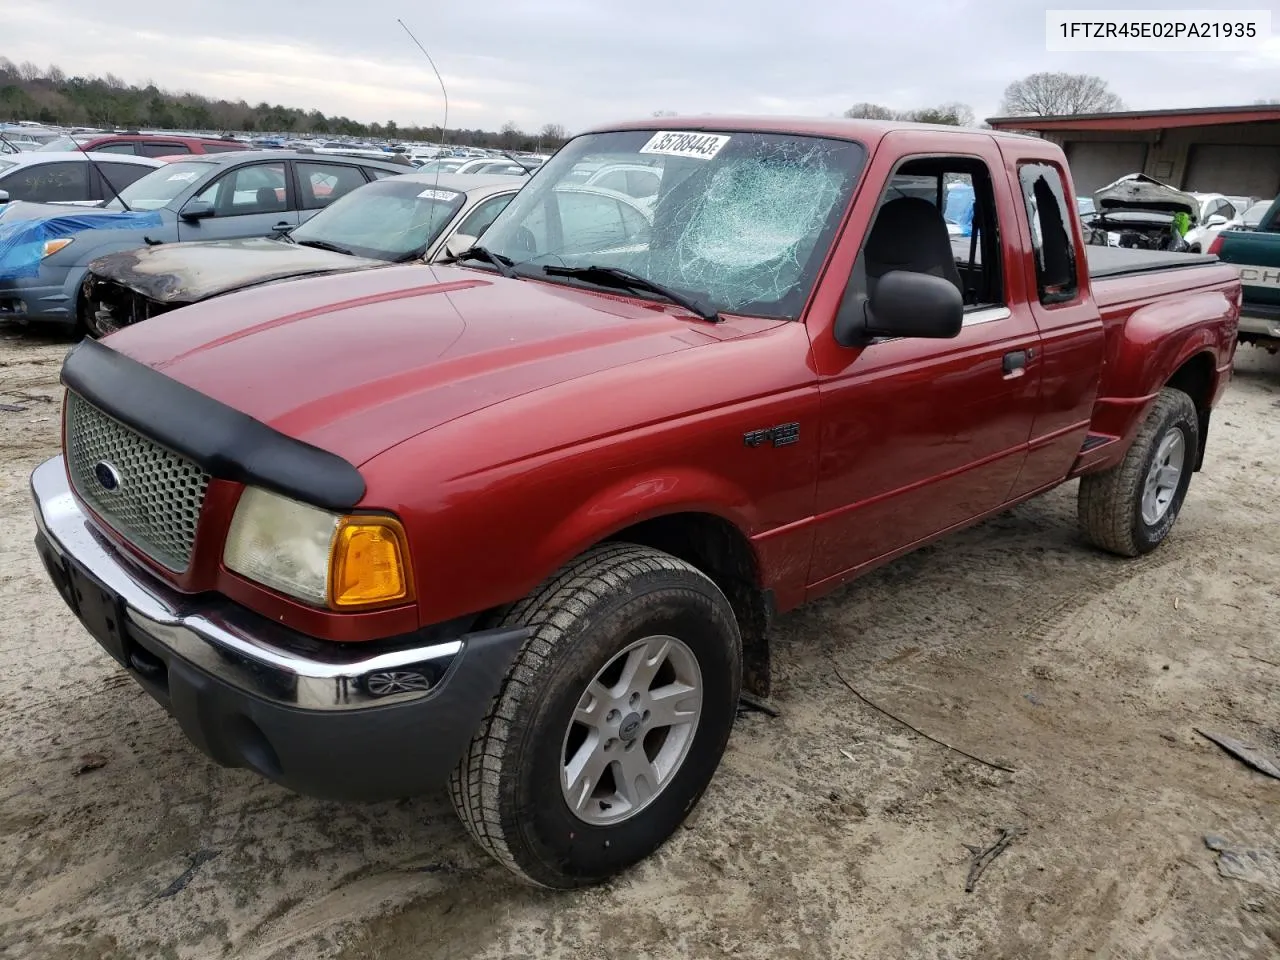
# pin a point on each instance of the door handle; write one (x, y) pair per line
(1015, 362)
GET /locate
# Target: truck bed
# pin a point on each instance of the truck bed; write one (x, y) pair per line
(1120, 275)
(1108, 262)
(1105, 262)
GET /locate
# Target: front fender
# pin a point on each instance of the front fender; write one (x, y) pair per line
(645, 496)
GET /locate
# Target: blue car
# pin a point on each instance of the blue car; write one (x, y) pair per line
(45, 249)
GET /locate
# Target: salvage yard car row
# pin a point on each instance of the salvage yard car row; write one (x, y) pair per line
(259, 197)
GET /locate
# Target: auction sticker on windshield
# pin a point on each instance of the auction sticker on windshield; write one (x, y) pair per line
(430, 194)
(671, 143)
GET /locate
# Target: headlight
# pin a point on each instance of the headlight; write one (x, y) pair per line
(53, 246)
(322, 558)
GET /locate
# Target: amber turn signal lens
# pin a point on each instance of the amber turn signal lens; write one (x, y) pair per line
(370, 564)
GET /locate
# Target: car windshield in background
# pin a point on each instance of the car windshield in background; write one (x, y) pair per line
(1253, 216)
(740, 222)
(161, 186)
(6, 164)
(391, 219)
(441, 166)
(60, 144)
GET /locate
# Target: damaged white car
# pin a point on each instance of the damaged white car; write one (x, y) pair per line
(1140, 212)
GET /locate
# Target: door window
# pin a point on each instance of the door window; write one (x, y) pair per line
(593, 222)
(937, 215)
(322, 183)
(256, 188)
(120, 175)
(117, 147)
(48, 182)
(478, 220)
(1051, 235)
(162, 149)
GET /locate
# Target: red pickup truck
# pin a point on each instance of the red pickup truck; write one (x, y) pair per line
(521, 521)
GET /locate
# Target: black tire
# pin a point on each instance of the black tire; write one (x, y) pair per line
(507, 789)
(1110, 503)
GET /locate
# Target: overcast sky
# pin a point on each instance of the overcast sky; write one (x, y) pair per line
(581, 62)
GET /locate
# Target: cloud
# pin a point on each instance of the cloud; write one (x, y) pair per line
(583, 62)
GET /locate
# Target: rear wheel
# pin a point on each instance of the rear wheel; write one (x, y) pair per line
(1130, 509)
(611, 722)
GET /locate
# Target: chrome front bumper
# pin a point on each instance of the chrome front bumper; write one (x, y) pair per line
(209, 636)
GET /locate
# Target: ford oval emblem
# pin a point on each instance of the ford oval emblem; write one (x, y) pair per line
(107, 475)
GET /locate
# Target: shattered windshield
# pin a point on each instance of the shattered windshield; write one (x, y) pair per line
(391, 219)
(739, 222)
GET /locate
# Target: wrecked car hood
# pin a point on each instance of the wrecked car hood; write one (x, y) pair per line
(1138, 192)
(190, 272)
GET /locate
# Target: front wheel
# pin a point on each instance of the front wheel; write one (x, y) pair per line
(1130, 508)
(611, 721)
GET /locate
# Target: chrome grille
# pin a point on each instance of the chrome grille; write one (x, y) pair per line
(157, 495)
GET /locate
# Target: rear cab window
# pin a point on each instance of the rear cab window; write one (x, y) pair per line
(1052, 237)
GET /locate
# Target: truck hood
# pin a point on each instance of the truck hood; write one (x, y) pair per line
(1138, 192)
(356, 363)
(190, 272)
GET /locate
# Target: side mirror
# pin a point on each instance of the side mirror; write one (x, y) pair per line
(904, 304)
(1216, 220)
(458, 244)
(4, 196)
(197, 210)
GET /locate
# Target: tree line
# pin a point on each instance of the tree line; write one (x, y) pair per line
(29, 92)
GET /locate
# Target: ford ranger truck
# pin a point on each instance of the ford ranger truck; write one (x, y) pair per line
(1256, 253)
(519, 522)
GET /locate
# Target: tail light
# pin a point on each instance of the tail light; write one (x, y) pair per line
(1216, 246)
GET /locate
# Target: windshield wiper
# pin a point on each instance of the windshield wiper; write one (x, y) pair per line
(617, 277)
(503, 264)
(323, 245)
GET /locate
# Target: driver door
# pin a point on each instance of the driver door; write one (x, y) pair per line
(922, 435)
(252, 200)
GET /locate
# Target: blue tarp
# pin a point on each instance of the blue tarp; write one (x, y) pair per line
(22, 241)
(960, 206)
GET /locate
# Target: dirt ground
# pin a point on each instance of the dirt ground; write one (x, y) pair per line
(830, 831)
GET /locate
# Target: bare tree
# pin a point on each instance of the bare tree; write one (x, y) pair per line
(961, 112)
(870, 111)
(28, 71)
(1058, 94)
(511, 136)
(949, 114)
(552, 131)
(55, 74)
